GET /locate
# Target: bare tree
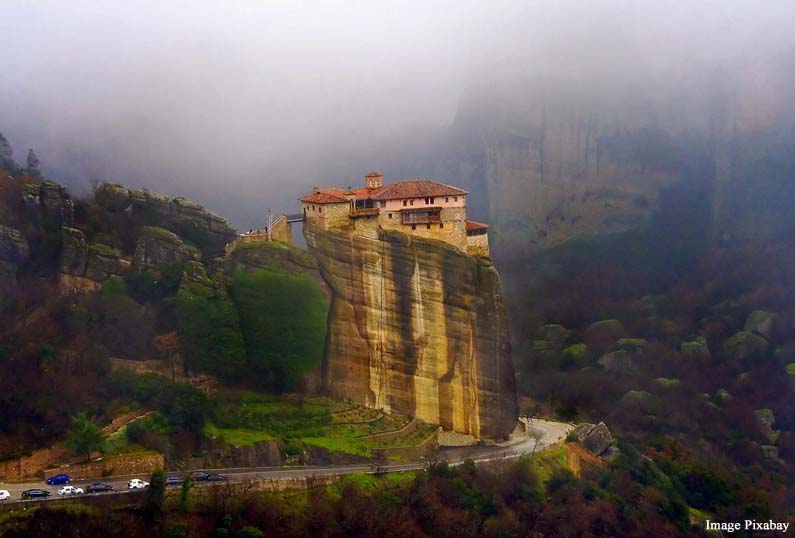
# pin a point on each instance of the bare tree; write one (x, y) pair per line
(536, 435)
(379, 461)
(432, 457)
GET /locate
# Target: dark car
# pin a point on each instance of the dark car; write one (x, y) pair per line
(174, 480)
(98, 488)
(199, 476)
(35, 494)
(215, 477)
(58, 479)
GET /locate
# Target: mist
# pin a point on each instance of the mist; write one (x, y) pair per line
(242, 106)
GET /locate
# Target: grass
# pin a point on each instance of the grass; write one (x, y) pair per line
(244, 418)
(546, 462)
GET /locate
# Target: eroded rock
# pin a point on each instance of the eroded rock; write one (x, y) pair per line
(157, 246)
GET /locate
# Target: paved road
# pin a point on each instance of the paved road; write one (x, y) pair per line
(552, 433)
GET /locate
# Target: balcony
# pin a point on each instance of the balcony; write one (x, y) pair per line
(364, 212)
(420, 217)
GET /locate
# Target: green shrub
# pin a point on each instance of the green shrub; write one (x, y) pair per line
(283, 318)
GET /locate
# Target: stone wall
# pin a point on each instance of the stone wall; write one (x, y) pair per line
(116, 465)
(416, 327)
(478, 245)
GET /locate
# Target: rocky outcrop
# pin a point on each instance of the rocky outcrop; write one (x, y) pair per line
(745, 345)
(14, 251)
(418, 327)
(596, 438)
(93, 262)
(157, 246)
(178, 215)
(761, 322)
(697, 346)
(50, 201)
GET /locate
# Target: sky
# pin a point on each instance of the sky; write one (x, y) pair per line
(243, 105)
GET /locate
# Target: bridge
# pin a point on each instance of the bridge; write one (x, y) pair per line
(296, 217)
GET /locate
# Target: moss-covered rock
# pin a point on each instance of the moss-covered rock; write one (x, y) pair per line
(790, 369)
(601, 335)
(631, 344)
(745, 345)
(761, 322)
(696, 346)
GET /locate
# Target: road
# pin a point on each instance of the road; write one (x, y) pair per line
(552, 432)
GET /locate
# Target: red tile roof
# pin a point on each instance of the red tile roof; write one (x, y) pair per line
(414, 189)
(324, 198)
(472, 225)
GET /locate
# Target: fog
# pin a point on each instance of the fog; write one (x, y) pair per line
(243, 105)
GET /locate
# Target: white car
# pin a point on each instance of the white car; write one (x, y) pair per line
(4, 495)
(137, 483)
(70, 490)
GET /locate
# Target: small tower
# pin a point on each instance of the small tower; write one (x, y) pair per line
(373, 180)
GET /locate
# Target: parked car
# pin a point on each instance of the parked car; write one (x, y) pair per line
(4, 495)
(98, 487)
(215, 477)
(35, 493)
(70, 490)
(199, 476)
(137, 483)
(174, 480)
(58, 479)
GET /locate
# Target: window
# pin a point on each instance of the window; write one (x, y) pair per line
(428, 226)
(390, 215)
(405, 203)
(431, 200)
(441, 225)
(446, 199)
(319, 209)
(383, 204)
(455, 198)
(413, 226)
(411, 202)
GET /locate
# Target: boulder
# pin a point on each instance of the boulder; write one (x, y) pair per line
(601, 335)
(744, 345)
(157, 246)
(103, 262)
(722, 395)
(596, 438)
(555, 334)
(761, 322)
(577, 354)
(765, 418)
(636, 397)
(790, 369)
(667, 382)
(631, 344)
(697, 346)
(619, 362)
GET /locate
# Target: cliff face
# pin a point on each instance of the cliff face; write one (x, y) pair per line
(417, 327)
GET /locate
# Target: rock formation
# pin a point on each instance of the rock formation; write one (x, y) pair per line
(417, 327)
(184, 217)
(14, 251)
(157, 246)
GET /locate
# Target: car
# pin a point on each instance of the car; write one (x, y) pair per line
(199, 476)
(4, 495)
(137, 483)
(98, 487)
(70, 490)
(215, 477)
(58, 479)
(174, 480)
(35, 493)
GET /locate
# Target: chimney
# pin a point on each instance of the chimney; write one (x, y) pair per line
(373, 180)
(315, 190)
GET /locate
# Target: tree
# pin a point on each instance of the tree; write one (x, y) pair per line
(6, 155)
(379, 461)
(156, 497)
(83, 435)
(33, 164)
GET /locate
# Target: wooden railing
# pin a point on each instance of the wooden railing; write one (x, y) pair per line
(420, 218)
(364, 212)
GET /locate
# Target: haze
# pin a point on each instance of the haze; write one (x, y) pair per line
(244, 105)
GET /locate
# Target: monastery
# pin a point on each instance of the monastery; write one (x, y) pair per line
(421, 208)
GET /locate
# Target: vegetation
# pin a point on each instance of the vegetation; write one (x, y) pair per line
(283, 318)
(83, 436)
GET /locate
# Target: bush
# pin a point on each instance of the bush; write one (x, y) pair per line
(283, 318)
